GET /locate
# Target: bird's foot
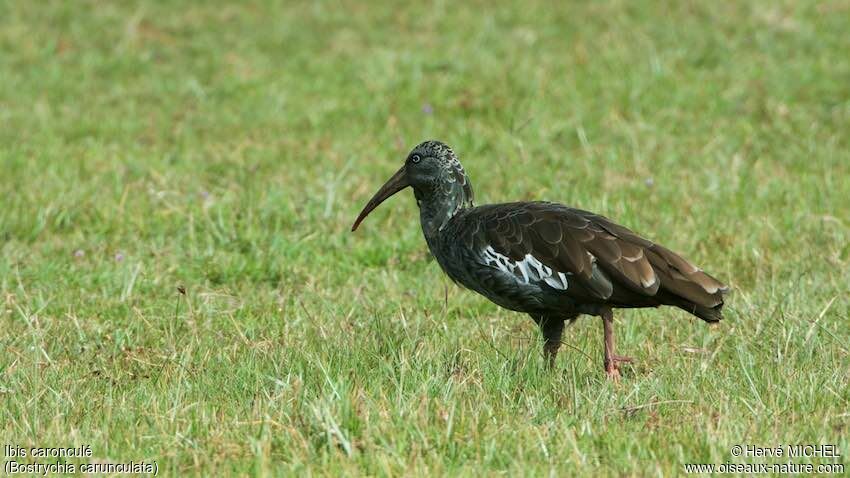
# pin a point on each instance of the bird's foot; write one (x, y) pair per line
(612, 371)
(612, 367)
(621, 359)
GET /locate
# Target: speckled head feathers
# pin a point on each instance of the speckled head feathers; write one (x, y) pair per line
(437, 150)
(452, 178)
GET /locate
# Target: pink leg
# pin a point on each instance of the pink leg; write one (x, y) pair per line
(611, 359)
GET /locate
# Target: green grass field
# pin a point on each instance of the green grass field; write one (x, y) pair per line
(227, 149)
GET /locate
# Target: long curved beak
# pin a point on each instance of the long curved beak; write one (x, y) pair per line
(392, 186)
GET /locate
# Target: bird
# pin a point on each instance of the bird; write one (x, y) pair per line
(552, 262)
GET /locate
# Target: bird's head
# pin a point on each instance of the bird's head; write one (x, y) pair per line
(435, 174)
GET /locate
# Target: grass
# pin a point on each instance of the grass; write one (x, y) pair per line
(227, 148)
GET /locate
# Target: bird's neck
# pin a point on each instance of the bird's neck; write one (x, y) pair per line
(438, 208)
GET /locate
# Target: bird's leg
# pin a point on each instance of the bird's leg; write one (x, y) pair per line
(611, 359)
(552, 328)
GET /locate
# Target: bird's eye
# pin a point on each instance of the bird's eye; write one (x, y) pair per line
(415, 158)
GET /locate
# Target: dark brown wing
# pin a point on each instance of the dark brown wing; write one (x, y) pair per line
(606, 263)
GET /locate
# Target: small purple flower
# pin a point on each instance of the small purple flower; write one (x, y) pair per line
(649, 182)
(119, 257)
(79, 253)
(205, 195)
(427, 109)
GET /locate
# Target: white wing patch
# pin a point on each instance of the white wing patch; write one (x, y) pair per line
(527, 270)
(601, 284)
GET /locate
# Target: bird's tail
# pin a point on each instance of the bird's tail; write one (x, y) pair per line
(708, 314)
